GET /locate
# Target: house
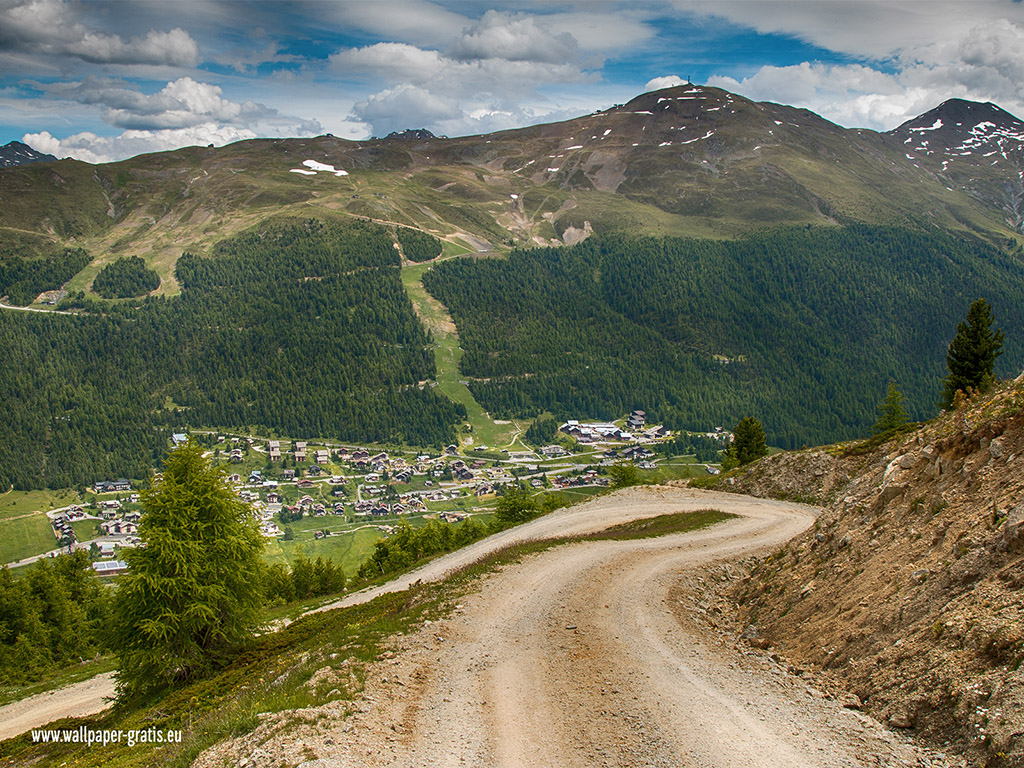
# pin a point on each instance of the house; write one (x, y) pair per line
(110, 567)
(274, 450)
(314, 470)
(305, 484)
(553, 450)
(106, 548)
(273, 497)
(288, 474)
(300, 451)
(112, 486)
(402, 477)
(235, 477)
(178, 438)
(321, 457)
(235, 456)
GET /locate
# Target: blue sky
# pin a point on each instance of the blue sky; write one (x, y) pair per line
(102, 80)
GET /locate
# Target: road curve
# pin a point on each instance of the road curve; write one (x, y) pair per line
(585, 655)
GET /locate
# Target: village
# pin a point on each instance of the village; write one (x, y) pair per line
(303, 492)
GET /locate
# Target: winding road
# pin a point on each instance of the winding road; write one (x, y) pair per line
(586, 655)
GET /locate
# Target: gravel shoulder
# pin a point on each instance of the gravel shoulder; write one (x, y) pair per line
(585, 655)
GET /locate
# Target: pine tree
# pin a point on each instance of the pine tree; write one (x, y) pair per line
(972, 353)
(748, 444)
(891, 415)
(192, 595)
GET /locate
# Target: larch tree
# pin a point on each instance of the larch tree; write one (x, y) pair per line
(192, 594)
(891, 415)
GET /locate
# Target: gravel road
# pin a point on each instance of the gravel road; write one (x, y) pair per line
(584, 655)
(84, 698)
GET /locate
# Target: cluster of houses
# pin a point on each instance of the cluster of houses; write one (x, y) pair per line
(601, 432)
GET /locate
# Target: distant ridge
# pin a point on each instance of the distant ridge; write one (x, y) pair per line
(15, 153)
(417, 134)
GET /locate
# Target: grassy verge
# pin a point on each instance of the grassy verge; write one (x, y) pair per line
(662, 525)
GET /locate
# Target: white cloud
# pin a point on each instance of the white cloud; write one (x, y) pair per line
(182, 103)
(667, 81)
(393, 109)
(878, 29)
(92, 148)
(514, 37)
(48, 28)
(857, 95)
(184, 112)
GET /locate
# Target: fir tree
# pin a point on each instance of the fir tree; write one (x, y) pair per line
(891, 415)
(972, 353)
(192, 595)
(749, 443)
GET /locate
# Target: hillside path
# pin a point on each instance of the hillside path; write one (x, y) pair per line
(85, 698)
(585, 655)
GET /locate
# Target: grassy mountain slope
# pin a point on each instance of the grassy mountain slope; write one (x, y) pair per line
(907, 590)
(682, 161)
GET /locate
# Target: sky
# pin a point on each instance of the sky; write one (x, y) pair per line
(103, 80)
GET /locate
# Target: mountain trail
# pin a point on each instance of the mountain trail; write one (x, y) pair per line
(585, 655)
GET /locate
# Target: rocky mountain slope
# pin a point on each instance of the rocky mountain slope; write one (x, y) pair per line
(907, 591)
(978, 148)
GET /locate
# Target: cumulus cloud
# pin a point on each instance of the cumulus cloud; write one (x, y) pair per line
(92, 148)
(667, 81)
(514, 37)
(48, 28)
(478, 83)
(183, 112)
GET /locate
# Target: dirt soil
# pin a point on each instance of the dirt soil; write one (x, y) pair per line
(908, 590)
(586, 654)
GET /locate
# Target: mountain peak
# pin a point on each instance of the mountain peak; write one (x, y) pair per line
(958, 128)
(16, 153)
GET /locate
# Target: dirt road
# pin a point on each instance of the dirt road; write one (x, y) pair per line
(85, 698)
(585, 655)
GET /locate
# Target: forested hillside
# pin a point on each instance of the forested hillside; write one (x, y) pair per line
(299, 327)
(802, 327)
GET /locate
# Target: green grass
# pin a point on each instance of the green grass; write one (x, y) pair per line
(25, 536)
(15, 503)
(86, 529)
(662, 525)
(348, 550)
(447, 355)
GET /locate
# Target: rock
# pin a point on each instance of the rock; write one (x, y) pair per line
(1013, 529)
(851, 701)
(820, 537)
(920, 576)
(901, 721)
(995, 449)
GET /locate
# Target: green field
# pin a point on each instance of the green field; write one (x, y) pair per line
(349, 550)
(15, 503)
(25, 536)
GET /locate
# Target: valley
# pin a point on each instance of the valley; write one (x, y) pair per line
(380, 338)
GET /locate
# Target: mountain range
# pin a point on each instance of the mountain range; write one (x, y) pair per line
(691, 252)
